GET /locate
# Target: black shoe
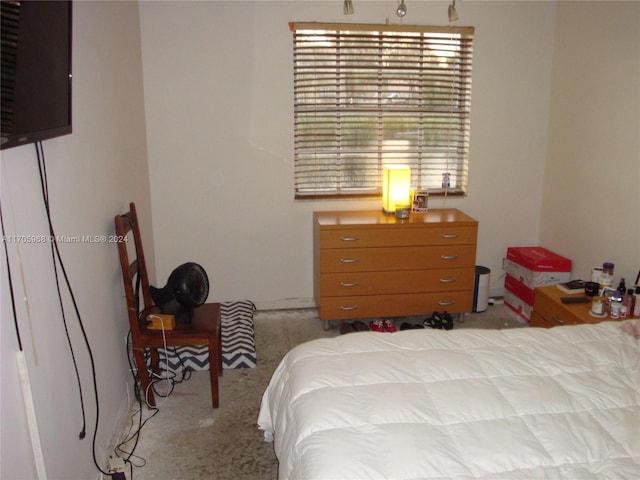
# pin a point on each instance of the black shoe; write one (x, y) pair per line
(346, 328)
(447, 321)
(405, 326)
(434, 321)
(360, 326)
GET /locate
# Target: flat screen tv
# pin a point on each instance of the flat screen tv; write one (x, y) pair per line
(35, 70)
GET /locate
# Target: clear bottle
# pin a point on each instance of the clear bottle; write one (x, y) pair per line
(606, 277)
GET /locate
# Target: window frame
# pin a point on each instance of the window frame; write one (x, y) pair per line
(309, 106)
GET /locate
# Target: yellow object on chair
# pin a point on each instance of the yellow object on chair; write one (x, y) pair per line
(160, 321)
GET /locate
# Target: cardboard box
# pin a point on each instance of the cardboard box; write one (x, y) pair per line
(532, 278)
(518, 306)
(528, 268)
(419, 200)
(519, 289)
(516, 316)
(538, 259)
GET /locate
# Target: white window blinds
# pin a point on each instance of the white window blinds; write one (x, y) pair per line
(369, 95)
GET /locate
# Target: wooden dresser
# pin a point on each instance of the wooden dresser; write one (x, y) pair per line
(549, 311)
(370, 264)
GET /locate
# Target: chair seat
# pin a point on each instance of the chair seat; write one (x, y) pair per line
(204, 319)
(203, 328)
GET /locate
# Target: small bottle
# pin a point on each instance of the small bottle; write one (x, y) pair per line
(636, 307)
(622, 288)
(606, 277)
(614, 308)
(629, 300)
(597, 306)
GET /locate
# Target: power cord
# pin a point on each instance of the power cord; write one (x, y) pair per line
(54, 250)
(128, 455)
(11, 292)
(45, 196)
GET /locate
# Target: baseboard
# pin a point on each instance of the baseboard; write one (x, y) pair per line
(128, 405)
(496, 291)
(285, 304)
(290, 303)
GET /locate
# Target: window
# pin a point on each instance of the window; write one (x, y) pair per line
(369, 95)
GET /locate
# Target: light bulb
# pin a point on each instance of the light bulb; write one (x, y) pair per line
(401, 11)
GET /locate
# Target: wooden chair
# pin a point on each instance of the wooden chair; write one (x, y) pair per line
(204, 323)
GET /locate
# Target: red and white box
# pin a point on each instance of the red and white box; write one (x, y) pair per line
(519, 307)
(519, 289)
(528, 268)
(537, 266)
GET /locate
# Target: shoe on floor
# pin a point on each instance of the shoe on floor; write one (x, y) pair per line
(346, 328)
(406, 326)
(389, 326)
(447, 321)
(434, 321)
(376, 325)
(360, 326)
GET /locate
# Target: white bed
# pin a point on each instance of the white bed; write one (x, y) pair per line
(465, 404)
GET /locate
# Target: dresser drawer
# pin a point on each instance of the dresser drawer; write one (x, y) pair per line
(409, 281)
(538, 322)
(553, 312)
(397, 236)
(336, 308)
(401, 258)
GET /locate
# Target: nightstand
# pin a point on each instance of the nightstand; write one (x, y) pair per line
(549, 311)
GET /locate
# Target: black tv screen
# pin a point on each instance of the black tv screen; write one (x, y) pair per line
(35, 70)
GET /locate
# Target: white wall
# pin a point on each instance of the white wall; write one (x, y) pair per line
(592, 178)
(93, 174)
(218, 97)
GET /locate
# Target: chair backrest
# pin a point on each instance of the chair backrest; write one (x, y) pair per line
(134, 269)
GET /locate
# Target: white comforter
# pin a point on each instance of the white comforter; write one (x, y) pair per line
(512, 404)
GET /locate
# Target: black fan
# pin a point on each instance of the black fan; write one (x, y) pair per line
(187, 287)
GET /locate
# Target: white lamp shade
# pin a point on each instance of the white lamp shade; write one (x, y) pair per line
(396, 186)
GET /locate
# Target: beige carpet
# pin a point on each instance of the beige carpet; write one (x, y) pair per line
(188, 439)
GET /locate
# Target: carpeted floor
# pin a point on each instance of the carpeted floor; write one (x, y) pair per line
(187, 439)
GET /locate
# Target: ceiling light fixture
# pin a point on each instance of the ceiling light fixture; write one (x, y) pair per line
(401, 11)
(347, 7)
(453, 15)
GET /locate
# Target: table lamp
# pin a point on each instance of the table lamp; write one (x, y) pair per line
(396, 185)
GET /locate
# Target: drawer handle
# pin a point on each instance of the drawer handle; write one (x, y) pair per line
(349, 239)
(557, 320)
(348, 260)
(343, 284)
(448, 280)
(450, 235)
(448, 257)
(348, 309)
(446, 303)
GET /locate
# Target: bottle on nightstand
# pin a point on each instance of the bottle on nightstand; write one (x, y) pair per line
(636, 308)
(629, 300)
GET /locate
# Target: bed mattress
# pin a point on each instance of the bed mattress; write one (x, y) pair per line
(465, 404)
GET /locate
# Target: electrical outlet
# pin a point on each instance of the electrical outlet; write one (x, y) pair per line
(116, 465)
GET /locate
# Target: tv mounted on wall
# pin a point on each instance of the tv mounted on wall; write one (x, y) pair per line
(36, 71)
